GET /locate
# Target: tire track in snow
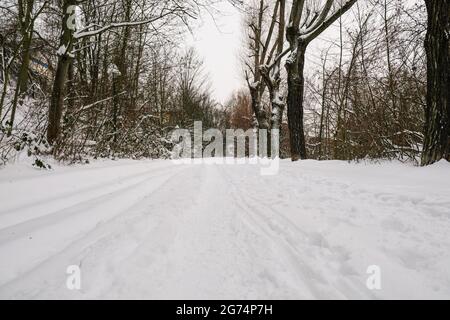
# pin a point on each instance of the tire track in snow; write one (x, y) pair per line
(57, 236)
(74, 193)
(112, 243)
(290, 255)
(37, 211)
(163, 254)
(72, 171)
(21, 228)
(188, 253)
(290, 239)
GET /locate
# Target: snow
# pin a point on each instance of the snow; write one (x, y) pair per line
(152, 229)
(61, 50)
(113, 69)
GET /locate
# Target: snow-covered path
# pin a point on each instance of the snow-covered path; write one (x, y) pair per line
(151, 229)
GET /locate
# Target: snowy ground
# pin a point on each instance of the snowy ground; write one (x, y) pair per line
(143, 229)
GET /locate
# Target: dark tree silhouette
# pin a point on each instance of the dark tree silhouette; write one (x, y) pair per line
(437, 113)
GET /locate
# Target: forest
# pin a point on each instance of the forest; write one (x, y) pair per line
(111, 79)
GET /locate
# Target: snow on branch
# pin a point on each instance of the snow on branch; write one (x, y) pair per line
(84, 34)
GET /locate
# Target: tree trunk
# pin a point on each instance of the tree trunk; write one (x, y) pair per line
(277, 107)
(23, 73)
(437, 113)
(277, 100)
(64, 60)
(115, 114)
(121, 62)
(296, 83)
(57, 100)
(26, 29)
(258, 109)
(22, 81)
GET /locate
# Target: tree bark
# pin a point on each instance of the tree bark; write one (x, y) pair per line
(57, 99)
(276, 98)
(258, 108)
(296, 83)
(26, 29)
(64, 60)
(437, 113)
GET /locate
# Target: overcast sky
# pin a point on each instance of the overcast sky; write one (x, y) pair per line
(218, 40)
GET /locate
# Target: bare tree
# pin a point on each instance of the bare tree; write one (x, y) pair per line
(27, 18)
(260, 34)
(267, 39)
(351, 113)
(302, 29)
(65, 57)
(152, 12)
(272, 72)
